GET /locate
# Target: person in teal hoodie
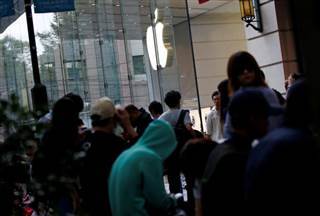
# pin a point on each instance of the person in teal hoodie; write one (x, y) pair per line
(136, 184)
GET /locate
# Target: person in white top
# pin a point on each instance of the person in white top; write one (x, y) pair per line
(173, 101)
(213, 123)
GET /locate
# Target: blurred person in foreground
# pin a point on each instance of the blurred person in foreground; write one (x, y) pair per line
(222, 190)
(282, 171)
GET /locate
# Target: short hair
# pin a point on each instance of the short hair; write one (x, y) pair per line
(77, 100)
(65, 113)
(215, 93)
(155, 107)
(172, 99)
(131, 108)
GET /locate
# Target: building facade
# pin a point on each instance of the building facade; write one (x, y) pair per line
(100, 49)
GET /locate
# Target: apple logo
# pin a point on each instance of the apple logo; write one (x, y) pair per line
(162, 55)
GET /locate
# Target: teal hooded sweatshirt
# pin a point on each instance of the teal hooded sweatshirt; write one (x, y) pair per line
(136, 178)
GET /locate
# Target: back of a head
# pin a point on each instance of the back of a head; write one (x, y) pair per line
(65, 113)
(245, 104)
(298, 110)
(77, 100)
(172, 99)
(155, 107)
(158, 137)
(131, 108)
(237, 63)
(102, 111)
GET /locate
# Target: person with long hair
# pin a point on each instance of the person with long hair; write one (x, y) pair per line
(244, 72)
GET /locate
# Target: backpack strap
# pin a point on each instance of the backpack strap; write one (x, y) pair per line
(181, 117)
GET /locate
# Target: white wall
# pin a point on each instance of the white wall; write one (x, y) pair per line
(274, 48)
(216, 36)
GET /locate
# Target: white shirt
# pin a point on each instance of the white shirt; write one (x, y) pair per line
(214, 129)
(172, 116)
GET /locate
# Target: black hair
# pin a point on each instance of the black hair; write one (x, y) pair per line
(155, 107)
(65, 113)
(131, 108)
(215, 93)
(172, 99)
(77, 100)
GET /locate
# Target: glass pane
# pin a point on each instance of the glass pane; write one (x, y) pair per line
(15, 62)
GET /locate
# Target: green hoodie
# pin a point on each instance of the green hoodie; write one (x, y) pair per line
(136, 178)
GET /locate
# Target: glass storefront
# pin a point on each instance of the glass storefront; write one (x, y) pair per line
(101, 49)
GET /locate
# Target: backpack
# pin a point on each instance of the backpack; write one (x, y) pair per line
(182, 136)
(181, 132)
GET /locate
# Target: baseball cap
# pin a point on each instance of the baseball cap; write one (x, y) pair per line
(246, 102)
(103, 109)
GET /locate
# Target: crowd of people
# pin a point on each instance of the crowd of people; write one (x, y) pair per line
(259, 155)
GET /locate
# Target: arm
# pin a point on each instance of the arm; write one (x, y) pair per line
(125, 121)
(187, 121)
(153, 186)
(209, 124)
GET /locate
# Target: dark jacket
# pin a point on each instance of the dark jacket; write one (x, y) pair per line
(282, 173)
(222, 183)
(143, 121)
(104, 150)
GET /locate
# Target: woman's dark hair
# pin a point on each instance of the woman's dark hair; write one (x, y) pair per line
(237, 63)
(172, 99)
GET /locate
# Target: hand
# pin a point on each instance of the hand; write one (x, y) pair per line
(123, 116)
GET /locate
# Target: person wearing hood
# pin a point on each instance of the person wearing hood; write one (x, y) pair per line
(136, 180)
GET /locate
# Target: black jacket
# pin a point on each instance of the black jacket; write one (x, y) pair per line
(223, 179)
(104, 150)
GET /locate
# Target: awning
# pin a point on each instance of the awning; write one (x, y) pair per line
(6, 21)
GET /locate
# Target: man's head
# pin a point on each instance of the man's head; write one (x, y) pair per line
(103, 114)
(172, 99)
(155, 109)
(133, 112)
(77, 100)
(216, 99)
(249, 112)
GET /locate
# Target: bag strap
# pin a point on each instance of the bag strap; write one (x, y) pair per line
(181, 117)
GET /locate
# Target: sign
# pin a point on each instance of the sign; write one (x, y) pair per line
(46, 6)
(202, 1)
(6, 8)
(163, 52)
